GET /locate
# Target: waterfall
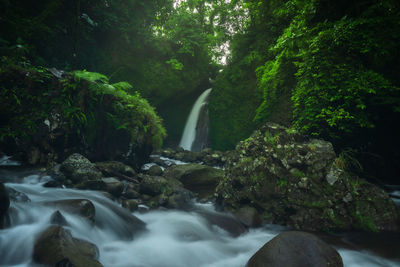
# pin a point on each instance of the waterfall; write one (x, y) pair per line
(195, 136)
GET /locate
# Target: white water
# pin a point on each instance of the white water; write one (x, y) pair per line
(173, 238)
(189, 133)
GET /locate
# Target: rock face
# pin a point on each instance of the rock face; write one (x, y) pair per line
(56, 245)
(296, 249)
(296, 181)
(4, 202)
(197, 178)
(78, 169)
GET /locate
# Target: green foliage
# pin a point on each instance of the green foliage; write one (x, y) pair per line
(129, 112)
(90, 109)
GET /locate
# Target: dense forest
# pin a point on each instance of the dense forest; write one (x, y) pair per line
(303, 113)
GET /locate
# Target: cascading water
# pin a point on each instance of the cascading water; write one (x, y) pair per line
(195, 136)
(172, 238)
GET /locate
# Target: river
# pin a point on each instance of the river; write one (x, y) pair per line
(173, 238)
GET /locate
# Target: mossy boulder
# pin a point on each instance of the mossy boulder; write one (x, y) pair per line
(296, 249)
(112, 168)
(298, 181)
(200, 179)
(78, 169)
(56, 245)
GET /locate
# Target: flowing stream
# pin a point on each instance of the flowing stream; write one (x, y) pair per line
(189, 132)
(173, 238)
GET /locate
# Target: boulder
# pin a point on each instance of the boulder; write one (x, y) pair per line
(17, 196)
(297, 181)
(181, 199)
(111, 168)
(155, 170)
(248, 216)
(78, 169)
(4, 202)
(56, 245)
(130, 204)
(296, 249)
(80, 207)
(154, 185)
(224, 221)
(197, 178)
(109, 185)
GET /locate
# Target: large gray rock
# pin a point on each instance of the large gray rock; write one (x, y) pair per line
(197, 178)
(56, 245)
(296, 249)
(78, 169)
(297, 181)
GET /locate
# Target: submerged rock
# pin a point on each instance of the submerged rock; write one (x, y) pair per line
(56, 245)
(224, 221)
(297, 181)
(296, 249)
(58, 219)
(16, 195)
(197, 178)
(80, 207)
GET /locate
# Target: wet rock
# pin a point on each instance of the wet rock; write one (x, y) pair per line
(56, 174)
(17, 196)
(58, 219)
(111, 168)
(130, 192)
(155, 170)
(154, 185)
(296, 249)
(296, 181)
(34, 156)
(121, 221)
(248, 216)
(181, 199)
(130, 204)
(224, 221)
(78, 169)
(56, 246)
(4, 202)
(113, 186)
(80, 207)
(197, 178)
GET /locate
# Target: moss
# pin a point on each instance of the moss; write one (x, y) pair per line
(314, 204)
(335, 220)
(89, 109)
(297, 174)
(283, 182)
(366, 222)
